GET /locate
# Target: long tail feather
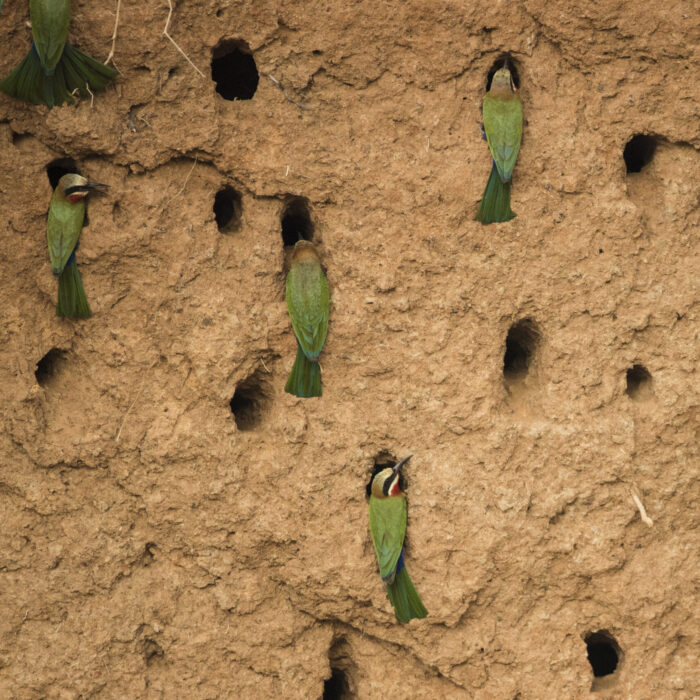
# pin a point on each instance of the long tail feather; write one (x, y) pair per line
(72, 302)
(305, 378)
(495, 202)
(75, 71)
(404, 597)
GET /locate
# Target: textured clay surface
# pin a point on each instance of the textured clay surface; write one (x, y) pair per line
(155, 545)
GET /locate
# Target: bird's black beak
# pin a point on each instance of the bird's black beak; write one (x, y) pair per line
(400, 464)
(97, 186)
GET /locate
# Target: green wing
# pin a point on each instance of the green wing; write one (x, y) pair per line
(308, 302)
(503, 124)
(50, 20)
(387, 526)
(63, 231)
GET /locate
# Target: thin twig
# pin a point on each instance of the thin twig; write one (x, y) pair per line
(133, 403)
(114, 34)
(165, 33)
(642, 510)
(301, 105)
(92, 96)
(184, 184)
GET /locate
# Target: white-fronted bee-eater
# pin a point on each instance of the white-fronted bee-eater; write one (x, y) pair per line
(503, 126)
(308, 303)
(65, 223)
(53, 70)
(387, 526)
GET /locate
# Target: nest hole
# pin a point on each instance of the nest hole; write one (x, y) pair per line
(59, 167)
(521, 344)
(248, 402)
(638, 383)
(48, 366)
(296, 221)
(336, 687)
(639, 151)
(228, 209)
(234, 71)
(604, 655)
(503, 60)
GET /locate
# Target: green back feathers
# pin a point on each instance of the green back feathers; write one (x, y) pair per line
(387, 526)
(53, 71)
(50, 20)
(308, 302)
(503, 124)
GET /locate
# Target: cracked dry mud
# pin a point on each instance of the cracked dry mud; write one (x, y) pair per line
(155, 545)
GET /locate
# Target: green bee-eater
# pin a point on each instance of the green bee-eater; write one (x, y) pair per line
(387, 525)
(53, 69)
(308, 302)
(503, 124)
(66, 214)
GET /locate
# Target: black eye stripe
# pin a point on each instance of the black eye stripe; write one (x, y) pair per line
(74, 189)
(387, 485)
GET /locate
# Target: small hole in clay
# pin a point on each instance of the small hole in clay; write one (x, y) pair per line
(228, 208)
(296, 221)
(234, 71)
(336, 687)
(248, 401)
(638, 383)
(56, 169)
(639, 152)
(499, 63)
(151, 650)
(521, 343)
(49, 365)
(604, 654)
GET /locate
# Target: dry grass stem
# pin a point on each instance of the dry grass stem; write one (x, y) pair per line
(642, 510)
(114, 35)
(165, 33)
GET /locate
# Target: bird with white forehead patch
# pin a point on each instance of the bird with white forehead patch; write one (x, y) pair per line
(387, 526)
(64, 226)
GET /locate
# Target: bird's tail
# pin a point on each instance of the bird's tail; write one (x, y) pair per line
(305, 378)
(75, 71)
(403, 595)
(495, 202)
(72, 302)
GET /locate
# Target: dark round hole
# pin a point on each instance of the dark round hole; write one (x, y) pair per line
(336, 687)
(521, 343)
(639, 152)
(638, 383)
(603, 653)
(234, 71)
(499, 63)
(296, 221)
(48, 366)
(248, 402)
(228, 208)
(56, 169)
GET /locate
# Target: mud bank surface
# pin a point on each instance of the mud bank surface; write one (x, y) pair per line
(155, 544)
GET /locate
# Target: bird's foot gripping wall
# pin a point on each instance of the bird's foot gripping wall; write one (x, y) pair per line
(174, 524)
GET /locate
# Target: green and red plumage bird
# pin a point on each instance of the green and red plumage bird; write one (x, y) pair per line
(65, 223)
(308, 303)
(503, 125)
(387, 526)
(53, 69)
